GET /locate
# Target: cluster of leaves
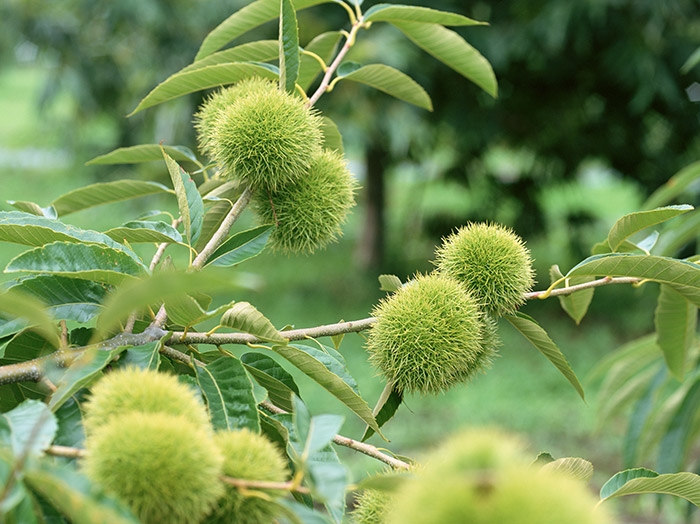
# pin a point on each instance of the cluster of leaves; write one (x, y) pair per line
(86, 300)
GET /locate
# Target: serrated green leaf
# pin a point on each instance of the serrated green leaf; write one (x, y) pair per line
(189, 201)
(229, 394)
(213, 218)
(28, 429)
(145, 231)
(640, 481)
(64, 298)
(184, 310)
(392, 82)
(87, 261)
(452, 50)
(389, 283)
(244, 317)
(538, 337)
(674, 186)
(241, 247)
(677, 438)
(577, 468)
(145, 356)
(323, 46)
(675, 320)
(144, 153)
(390, 13)
(32, 208)
(632, 223)
(331, 375)
(105, 193)
(207, 77)
(245, 19)
(288, 46)
(386, 408)
(260, 51)
(332, 139)
(681, 275)
(274, 378)
(77, 498)
(576, 304)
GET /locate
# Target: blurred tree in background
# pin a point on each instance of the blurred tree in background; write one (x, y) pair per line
(591, 95)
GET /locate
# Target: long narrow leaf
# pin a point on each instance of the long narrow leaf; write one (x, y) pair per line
(241, 247)
(630, 224)
(676, 441)
(538, 337)
(145, 231)
(189, 200)
(245, 317)
(288, 46)
(260, 51)
(392, 82)
(676, 322)
(674, 186)
(143, 153)
(323, 46)
(390, 13)
(274, 378)
(640, 481)
(386, 408)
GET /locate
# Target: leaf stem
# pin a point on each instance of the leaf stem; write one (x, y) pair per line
(580, 287)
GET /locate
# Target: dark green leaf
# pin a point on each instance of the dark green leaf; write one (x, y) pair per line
(145, 356)
(386, 408)
(576, 304)
(288, 46)
(87, 261)
(28, 429)
(640, 416)
(640, 480)
(144, 153)
(145, 231)
(632, 223)
(185, 311)
(538, 337)
(274, 378)
(19, 304)
(677, 438)
(390, 13)
(70, 424)
(452, 50)
(241, 247)
(392, 82)
(244, 317)
(229, 394)
(676, 321)
(189, 201)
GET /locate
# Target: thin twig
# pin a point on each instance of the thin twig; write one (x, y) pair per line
(263, 484)
(65, 451)
(580, 287)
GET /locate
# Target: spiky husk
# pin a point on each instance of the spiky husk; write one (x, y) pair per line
(492, 261)
(132, 389)
(249, 456)
(164, 467)
(260, 135)
(485, 477)
(371, 507)
(428, 335)
(310, 212)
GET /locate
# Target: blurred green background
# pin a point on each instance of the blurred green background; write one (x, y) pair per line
(593, 114)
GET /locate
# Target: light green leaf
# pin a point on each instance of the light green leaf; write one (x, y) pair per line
(681, 275)
(87, 261)
(207, 77)
(145, 356)
(288, 46)
(392, 82)
(244, 317)
(28, 429)
(691, 62)
(32, 208)
(577, 468)
(229, 394)
(145, 231)
(260, 51)
(184, 310)
(144, 153)
(323, 46)
(674, 186)
(676, 322)
(630, 224)
(389, 283)
(274, 378)
(65, 298)
(212, 220)
(332, 139)
(298, 513)
(390, 13)
(331, 375)
(678, 437)
(538, 337)
(18, 304)
(82, 372)
(249, 17)
(74, 496)
(639, 481)
(189, 201)
(452, 50)
(241, 247)
(105, 193)
(576, 304)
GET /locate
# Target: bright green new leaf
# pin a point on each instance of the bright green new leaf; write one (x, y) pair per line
(260, 51)
(288, 46)
(229, 394)
(241, 246)
(676, 322)
(105, 193)
(189, 201)
(389, 283)
(392, 82)
(145, 231)
(630, 224)
(144, 153)
(577, 468)
(28, 429)
(452, 50)
(674, 186)
(18, 304)
(87, 261)
(332, 139)
(246, 318)
(207, 77)
(391, 13)
(640, 480)
(323, 46)
(538, 337)
(274, 378)
(576, 304)
(681, 275)
(332, 375)
(249, 17)
(74, 496)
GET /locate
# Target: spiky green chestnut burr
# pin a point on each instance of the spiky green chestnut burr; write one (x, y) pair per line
(259, 134)
(309, 213)
(429, 335)
(166, 468)
(371, 507)
(492, 261)
(146, 391)
(248, 456)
